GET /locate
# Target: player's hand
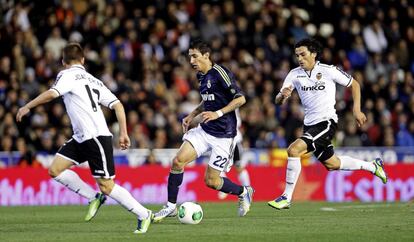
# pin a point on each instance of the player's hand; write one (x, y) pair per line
(22, 112)
(286, 92)
(124, 141)
(186, 123)
(209, 116)
(360, 118)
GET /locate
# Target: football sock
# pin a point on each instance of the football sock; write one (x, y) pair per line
(174, 181)
(72, 181)
(348, 163)
(171, 205)
(292, 174)
(230, 187)
(123, 197)
(244, 178)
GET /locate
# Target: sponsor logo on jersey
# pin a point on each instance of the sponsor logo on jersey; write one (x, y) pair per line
(300, 76)
(208, 97)
(319, 86)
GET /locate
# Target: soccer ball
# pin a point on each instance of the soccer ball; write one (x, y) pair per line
(190, 213)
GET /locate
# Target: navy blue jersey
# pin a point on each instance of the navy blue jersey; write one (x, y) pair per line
(218, 88)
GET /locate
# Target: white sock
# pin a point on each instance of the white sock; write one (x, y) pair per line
(349, 164)
(123, 197)
(171, 205)
(292, 174)
(72, 181)
(244, 178)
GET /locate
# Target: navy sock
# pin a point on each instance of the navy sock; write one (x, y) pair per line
(174, 181)
(230, 187)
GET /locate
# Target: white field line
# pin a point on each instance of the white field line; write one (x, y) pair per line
(362, 206)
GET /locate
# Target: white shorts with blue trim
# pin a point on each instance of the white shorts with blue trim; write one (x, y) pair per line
(221, 148)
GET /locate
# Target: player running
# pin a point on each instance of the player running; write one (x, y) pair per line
(91, 141)
(220, 97)
(315, 84)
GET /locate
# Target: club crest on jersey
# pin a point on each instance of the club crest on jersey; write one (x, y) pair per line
(208, 83)
(319, 76)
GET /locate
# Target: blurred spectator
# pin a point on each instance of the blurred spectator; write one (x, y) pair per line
(404, 137)
(27, 159)
(151, 160)
(351, 136)
(54, 43)
(374, 37)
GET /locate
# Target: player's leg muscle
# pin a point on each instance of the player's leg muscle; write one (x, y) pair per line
(59, 164)
(105, 185)
(212, 178)
(333, 163)
(297, 148)
(185, 155)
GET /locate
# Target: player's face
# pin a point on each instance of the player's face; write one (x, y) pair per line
(305, 58)
(198, 61)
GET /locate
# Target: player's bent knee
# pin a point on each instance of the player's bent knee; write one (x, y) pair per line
(212, 182)
(331, 167)
(53, 172)
(106, 186)
(293, 151)
(178, 164)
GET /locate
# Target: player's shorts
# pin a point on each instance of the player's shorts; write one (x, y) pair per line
(221, 148)
(318, 138)
(98, 151)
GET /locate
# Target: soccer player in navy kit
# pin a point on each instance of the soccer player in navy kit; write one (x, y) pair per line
(220, 97)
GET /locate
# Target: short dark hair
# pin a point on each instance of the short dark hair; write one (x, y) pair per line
(313, 45)
(72, 52)
(200, 45)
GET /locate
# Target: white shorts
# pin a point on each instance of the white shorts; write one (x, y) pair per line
(221, 148)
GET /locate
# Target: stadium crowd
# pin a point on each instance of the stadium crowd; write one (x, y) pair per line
(139, 50)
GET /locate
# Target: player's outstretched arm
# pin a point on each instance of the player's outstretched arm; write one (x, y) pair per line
(283, 95)
(44, 97)
(233, 105)
(124, 141)
(356, 96)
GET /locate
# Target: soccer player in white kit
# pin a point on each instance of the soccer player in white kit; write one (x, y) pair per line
(91, 141)
(315, 83)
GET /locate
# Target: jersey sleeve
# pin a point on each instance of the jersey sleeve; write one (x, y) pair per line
(228, 81)
(63, 84)
(106, 97)
(288, 82)
(341, 77)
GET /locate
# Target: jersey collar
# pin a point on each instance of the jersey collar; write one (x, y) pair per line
(309, 74)
(77, 66)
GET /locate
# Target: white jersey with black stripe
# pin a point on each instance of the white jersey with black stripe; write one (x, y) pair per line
(83, 94)
(317, 90)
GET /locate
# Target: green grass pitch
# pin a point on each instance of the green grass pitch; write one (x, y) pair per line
(306, 221)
